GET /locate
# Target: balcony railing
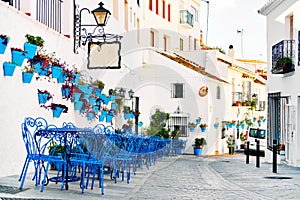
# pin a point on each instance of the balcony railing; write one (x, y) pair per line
(186, 18)
(14, 3)
(282, 57)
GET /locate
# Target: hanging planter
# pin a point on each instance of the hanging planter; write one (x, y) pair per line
(42, 69)
(65, 92)
(92, 101)
(78, 105)
(4, 39)
(101, 118)
(192, 129)
(18, 56)
(30, 49)
(43, 96)
(113, 106)
(98, 92)
(76, 96)
(75, 78)
(57, 109)
(96, 109)
(56, 71)
(216, 125)
(90, 116)
(9, 68)
(109, 118)
(61, 78)
(31, 45)
(27, 77)
(198, 120)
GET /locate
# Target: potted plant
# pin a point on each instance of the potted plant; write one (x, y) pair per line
(243, 139)
(18, 55)
(9, 68)
(43, 96)
(112, 93)
(31, 45)
(27, 74)
(57, 109)
(198, 145)
(4, 39)
(203, 127)
(192, 126)
(230, 144)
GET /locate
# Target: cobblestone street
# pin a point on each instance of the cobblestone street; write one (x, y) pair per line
(184, 177)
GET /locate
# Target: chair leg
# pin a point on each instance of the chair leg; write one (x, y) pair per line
(82, 178)
(23, 168)
(45, 177)
(24, 176)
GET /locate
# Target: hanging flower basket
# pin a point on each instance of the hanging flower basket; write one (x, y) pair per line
(9, 68)
(76, 96)
(65, 92)
(4, 39)
(43, 96)
(27, 77)
(18, 56)
(61, 78)
(192, 129)
(75, 78)
(90, 116)
(78, 105)
(109, 118)
(30, 49)
(56, 71)
(92, 101)
(101, 118)
(57, 109)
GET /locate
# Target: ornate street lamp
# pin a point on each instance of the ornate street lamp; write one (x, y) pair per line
(101, 15)
(84, 33)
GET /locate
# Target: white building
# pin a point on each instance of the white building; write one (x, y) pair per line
(161, 61)
(283, 94)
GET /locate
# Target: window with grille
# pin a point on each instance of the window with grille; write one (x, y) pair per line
(177, 90)
(49, 13)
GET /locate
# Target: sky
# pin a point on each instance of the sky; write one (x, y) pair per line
(228, 16)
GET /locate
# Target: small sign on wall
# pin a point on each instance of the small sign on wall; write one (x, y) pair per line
(104, 55)
(203, 91)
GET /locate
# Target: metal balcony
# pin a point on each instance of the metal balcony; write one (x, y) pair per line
(283, 54)
(186, 19)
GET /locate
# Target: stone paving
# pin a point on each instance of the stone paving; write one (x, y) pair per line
(182, 177)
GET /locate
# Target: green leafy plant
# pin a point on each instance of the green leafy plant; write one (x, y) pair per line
(99, 84)
(199, 142)
(36, 40)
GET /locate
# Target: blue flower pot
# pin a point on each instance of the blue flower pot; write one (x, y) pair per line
(103, 112)
(113, 106)
(31, 49)
(126, 115)
(9, 68)
(92, 101)
(18, 57)
(75, 78)
(56, 71)
(65, 92)
(105, 100)
(89, 90)
(90, 116)
(78, 105)
(192, 129)
(203, 129)
(3, 45)
(42, 71)
(131, 115)
(96, 109)
(197, 151)
(76, 96)
(62, 78)
(101, 118)
(27, 77)
(216, 126)
(43, 97)
(98, 92)
(109, 118)
(112, 97)
(198, 121)
(57, 112)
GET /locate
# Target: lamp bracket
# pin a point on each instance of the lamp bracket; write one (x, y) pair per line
(84, 33)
